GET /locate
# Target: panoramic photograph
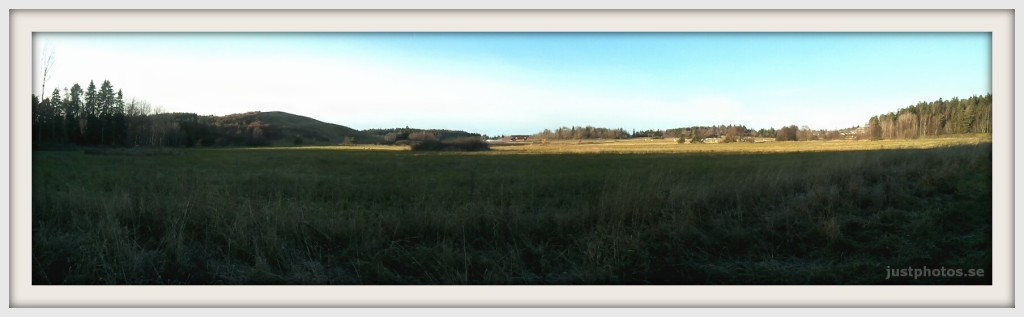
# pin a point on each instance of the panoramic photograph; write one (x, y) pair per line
(425, 158)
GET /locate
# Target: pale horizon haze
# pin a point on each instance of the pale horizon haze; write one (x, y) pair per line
(523, 83)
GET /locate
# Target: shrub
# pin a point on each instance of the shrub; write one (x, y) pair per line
(348, 140)
(428, 145)
(466, 144)
(460, 144)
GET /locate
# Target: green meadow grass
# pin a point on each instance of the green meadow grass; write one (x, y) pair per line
(322, 216)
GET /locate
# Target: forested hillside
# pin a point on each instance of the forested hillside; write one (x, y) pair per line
(397, 135)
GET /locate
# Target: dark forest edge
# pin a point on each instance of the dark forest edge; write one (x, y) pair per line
(102, 117)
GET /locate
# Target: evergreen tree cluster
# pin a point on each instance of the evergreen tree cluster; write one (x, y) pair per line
(101, 117)
(940, 117)
(93, 116)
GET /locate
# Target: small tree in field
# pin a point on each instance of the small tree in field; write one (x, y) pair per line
(874, 130)
(787, 133)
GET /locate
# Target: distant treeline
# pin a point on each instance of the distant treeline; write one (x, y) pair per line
(101, 116)
(726, 133)
(940, 117)
(588, 132)
(404, 135)
(953, 116)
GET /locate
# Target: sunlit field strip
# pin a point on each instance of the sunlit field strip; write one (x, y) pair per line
(655, 146)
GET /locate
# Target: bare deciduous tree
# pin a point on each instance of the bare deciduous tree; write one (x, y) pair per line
(47, 67)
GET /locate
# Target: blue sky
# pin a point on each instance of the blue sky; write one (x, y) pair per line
(513, 83)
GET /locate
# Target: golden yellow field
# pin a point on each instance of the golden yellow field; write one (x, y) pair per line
(647, 146)
(640, 146)
(360, 147)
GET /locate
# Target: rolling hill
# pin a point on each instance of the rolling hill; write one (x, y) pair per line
(287, 127)
(254, 128)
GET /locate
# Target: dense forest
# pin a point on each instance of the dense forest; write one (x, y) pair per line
(102, 117)
(91, 116)
(953, 116)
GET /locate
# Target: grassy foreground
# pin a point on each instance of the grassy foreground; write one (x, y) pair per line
(326, 216)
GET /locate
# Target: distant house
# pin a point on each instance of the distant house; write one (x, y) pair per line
(853, 132)
(517, 138)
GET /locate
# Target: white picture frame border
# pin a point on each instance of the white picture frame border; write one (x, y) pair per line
(1000, 22)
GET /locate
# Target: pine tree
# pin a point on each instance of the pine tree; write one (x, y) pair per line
(91, 122)
(75, 115)
(90, 100)
(106, 105)
(55, 115)
(120, 126)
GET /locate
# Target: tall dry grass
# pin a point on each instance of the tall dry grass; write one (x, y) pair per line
(372, 217)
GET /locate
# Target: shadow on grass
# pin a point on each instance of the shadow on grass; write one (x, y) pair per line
(392, 217)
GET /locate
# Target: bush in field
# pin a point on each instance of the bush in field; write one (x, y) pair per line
(459, 144)
(348, 140)
(429, 145)
(468, 144)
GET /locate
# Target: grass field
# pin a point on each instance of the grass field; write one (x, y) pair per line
(640, 212)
